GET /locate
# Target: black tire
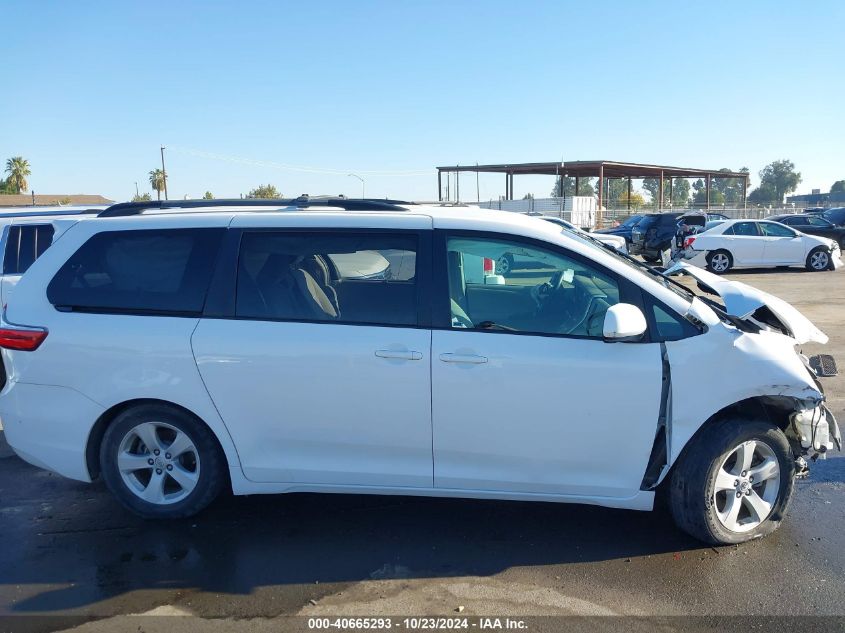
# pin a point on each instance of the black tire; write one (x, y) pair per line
(812, 264)
(504, 265)
(718, 269)
(692, 484)
(211, 462)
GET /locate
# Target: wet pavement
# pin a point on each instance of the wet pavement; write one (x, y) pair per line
(69, 550)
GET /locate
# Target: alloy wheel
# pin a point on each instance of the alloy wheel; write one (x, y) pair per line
(819, 260)
(747, 486)
(158, 463)
(503, 265)
(720, 262)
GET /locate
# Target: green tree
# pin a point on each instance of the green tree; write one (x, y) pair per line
(730, 188)
(838, 187)
(585, 187)
(3, 186)
(208, 196)
(144, 197)
(157, 182)
(781, 178)
(764, 194)
(264, 191)
(18, 169)
(700, 193)
(680, 191)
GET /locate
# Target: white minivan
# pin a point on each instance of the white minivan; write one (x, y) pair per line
(174, 354)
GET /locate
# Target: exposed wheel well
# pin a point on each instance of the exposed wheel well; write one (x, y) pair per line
(95, 438)
(773, 409)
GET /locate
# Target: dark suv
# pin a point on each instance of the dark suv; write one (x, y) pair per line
(654, 234)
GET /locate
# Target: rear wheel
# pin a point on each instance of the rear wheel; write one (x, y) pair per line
(818, 259)
(719, 262)
(161, 462)
(734, 482)
(504, 265)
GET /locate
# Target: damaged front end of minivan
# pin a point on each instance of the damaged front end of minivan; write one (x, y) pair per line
(767, 372)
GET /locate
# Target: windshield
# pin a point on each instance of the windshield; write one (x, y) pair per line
(666, 282)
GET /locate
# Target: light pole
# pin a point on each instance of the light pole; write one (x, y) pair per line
(363, 185)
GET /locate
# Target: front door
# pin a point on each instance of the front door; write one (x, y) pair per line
(323, 375)
(527, 397)
(782, 244)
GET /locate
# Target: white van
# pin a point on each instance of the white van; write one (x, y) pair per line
(175, 354)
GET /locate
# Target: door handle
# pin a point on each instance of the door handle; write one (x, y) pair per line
(473, 359)
(398, 355)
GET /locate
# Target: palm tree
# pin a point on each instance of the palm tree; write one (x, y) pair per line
(18, 169)
(157, 181)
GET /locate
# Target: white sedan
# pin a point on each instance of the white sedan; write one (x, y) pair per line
(758, 244)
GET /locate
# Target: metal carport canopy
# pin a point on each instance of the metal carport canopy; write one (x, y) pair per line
(592, 168)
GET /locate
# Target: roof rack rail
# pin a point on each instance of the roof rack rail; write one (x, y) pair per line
(33, 212)
(124, 209)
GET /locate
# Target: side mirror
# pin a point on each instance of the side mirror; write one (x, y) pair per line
(623, 322)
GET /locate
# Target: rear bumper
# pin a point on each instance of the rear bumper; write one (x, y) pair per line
(49, 426)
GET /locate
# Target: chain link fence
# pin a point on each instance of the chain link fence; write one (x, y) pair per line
(610, 216)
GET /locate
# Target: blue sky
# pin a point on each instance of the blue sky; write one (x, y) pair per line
(92, 89)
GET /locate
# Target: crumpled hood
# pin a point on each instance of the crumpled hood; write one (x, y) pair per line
(741, 301)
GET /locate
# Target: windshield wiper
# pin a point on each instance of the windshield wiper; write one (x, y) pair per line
(491, 325)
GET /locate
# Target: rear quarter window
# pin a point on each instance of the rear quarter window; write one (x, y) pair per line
(152, 271)
(24, 244)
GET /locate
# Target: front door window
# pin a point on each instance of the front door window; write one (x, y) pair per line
(543, 292)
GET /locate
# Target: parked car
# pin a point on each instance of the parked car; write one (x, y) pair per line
(835, 215)
(759, 244)
(813, 225)
(623, 229)
(613, 241)
(175, 354)
(654, 234)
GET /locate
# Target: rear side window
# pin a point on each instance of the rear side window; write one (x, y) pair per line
(147, 272)
(328, 276)
(25, 244)
(746, 229)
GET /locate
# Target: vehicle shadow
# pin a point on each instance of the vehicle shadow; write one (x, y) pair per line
(85, 549)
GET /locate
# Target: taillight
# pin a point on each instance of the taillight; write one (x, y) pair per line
(489, 266)
(688, 241)
(21, 340)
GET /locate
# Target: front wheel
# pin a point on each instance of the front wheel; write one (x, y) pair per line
(161, 463)
(818, 259)
(733, 482)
